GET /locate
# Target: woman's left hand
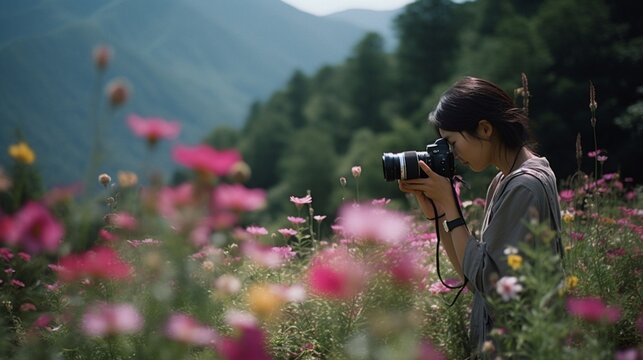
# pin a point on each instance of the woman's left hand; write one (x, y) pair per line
(435, 187)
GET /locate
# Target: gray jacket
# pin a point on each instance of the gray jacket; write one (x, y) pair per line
(511, 202)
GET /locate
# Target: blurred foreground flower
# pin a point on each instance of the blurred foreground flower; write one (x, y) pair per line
(248, 344)
(334, 273)
(368, 222)
(205, 159)
(21, 152)
(32, 228)
(593, 309)
(100, 262)
(153, 129)
(184, 328)
(238, 198)
(111, 319)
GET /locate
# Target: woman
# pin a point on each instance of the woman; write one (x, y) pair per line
(484, 128)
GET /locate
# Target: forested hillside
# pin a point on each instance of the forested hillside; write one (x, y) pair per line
(310, 132)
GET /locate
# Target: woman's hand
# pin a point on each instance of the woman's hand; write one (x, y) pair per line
(436, 188)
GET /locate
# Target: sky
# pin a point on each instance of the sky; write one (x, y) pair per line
(325, 7)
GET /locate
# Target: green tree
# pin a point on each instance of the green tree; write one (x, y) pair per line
(368, 82)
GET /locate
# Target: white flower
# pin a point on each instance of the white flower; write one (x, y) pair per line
(508, 287)
(510, 250)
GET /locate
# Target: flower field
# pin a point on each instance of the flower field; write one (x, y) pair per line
(145, 269)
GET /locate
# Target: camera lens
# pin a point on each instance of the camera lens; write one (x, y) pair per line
(402, 166)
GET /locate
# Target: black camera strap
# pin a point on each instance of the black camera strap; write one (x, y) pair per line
(462, 286)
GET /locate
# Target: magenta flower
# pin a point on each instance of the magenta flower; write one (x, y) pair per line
(287, 232)
(593, 310)
(335, 274)
(566, 195)
(249, 344)
(184, 328)
(593, 154)
(237, 197)
(17, 283)
(103, 320)
(367, 222)
(577, 236)
(299, 201)
(296, 220)
(34, 229)
(405, 266)
(100, 262)
(153, 129)
(205, 159)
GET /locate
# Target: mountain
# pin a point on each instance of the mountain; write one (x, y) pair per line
(201, 62)
(381, 22)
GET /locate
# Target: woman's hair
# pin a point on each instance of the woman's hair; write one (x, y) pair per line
(470, 100)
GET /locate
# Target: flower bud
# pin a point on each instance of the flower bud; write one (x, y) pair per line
(102, 55)
(104, 179)
(342, 181)
(118, 92)
(357, 171)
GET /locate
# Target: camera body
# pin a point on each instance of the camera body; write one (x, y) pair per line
(405, 165)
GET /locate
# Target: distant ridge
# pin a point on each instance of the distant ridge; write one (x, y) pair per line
(380, 22)
(198, 61)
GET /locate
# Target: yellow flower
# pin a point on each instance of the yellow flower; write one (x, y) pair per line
(571, 281)
(568, 217)
(264, 301)
(127, 179)
(514, 261)
(22, 153)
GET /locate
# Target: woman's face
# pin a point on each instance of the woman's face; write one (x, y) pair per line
(468, 150)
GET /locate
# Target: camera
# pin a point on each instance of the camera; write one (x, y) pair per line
(405, 165)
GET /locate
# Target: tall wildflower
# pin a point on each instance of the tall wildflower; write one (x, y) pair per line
(21, 152)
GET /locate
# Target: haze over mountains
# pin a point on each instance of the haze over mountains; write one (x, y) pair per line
(200, 62)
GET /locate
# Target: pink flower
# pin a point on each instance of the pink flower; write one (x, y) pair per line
(577, 236)
(335, 274)
(405, 266)
(34, 229)
(174, 203)
(301, 201)
(429, 352)
(100, 262)
(205, 159)
(43, 321)
(24, 256)
(287, 232)
(566, 195)
(367, 222)
(184, 328)
(296, 219)
(106, 235)
(356, 171)
(262, 255)
(27, 307)
(319, 218)
(593, 310)
(237, 197)
(257, 230)
(439, 288)
(593, 154)
(6, 254)
(153, 129)
(601, 158)
(122, 220)
(380, 202)
(285, 252)
(17, 283)
(249, 344)
(628, 354)
(508, 287)
(111, 319)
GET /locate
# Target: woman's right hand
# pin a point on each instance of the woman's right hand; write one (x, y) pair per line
(425, 203)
